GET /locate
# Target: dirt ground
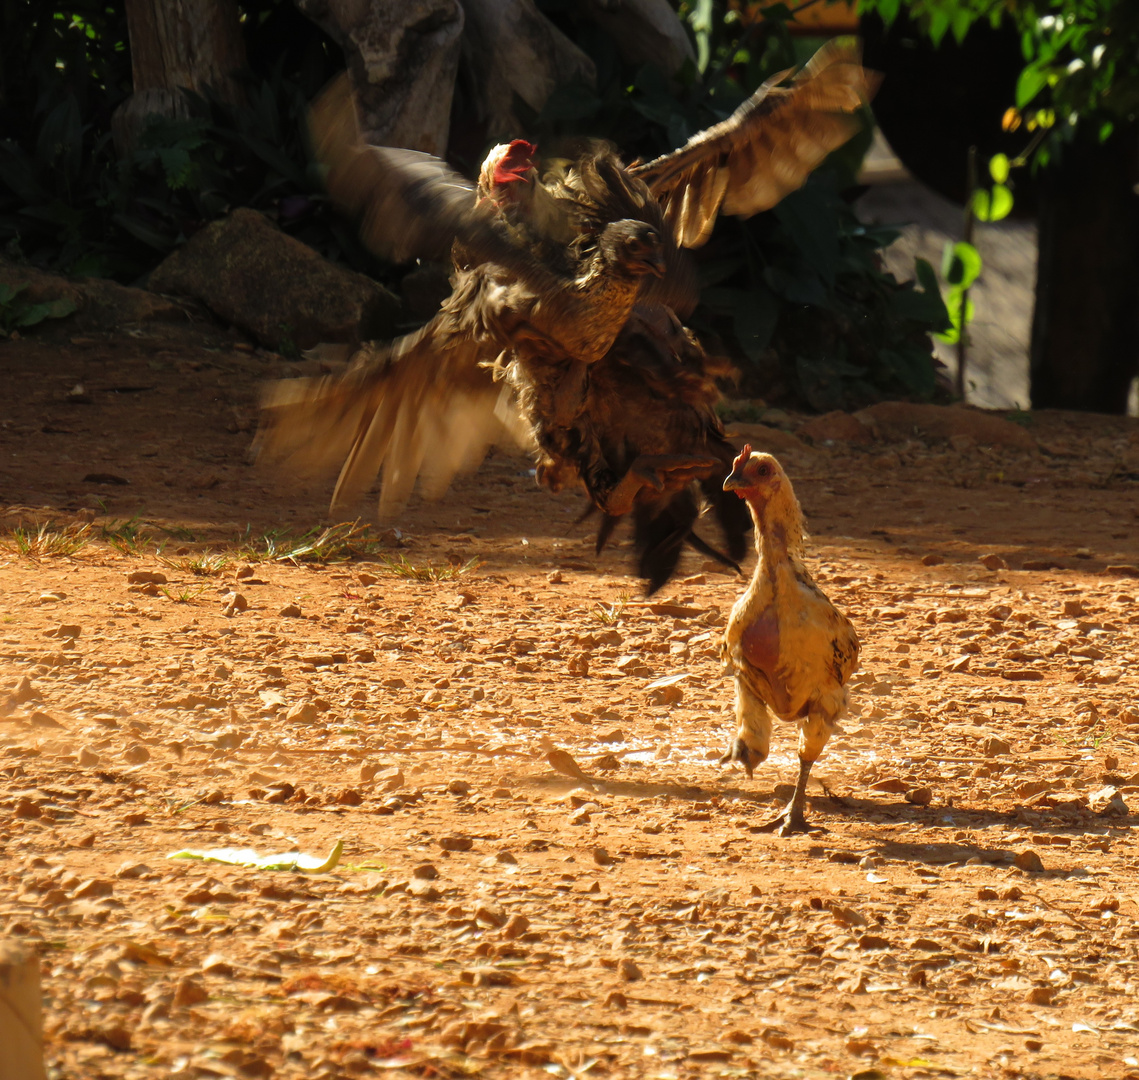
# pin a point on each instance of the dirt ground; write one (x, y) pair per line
(968, 906)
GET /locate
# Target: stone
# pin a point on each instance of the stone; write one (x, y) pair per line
(1107, 802)
(146, 577)
(189, 991)
(279, 290)
(1030, 861)
(994, 747)
(629, 971)
(290, 611)
(993, 561)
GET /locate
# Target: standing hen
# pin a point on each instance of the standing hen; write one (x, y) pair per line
(788, 648)
(563, 327)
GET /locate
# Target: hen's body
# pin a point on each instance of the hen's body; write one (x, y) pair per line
(788, 648)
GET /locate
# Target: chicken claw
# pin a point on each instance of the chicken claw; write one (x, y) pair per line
(748, 757)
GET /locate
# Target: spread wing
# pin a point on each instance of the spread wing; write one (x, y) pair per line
(410, 204)
(423, 406)
(766, 148)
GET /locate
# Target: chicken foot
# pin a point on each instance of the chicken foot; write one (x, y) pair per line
(791, 819)
(656, 471)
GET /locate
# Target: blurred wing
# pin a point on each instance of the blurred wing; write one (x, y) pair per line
(419, 407)
(410, 204)
(765, 149)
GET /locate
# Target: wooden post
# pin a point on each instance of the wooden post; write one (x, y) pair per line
(21, 1013)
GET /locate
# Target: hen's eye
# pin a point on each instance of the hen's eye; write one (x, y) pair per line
(762, 470)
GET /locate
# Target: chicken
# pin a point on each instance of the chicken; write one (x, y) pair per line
(788, 648)
(564, 327)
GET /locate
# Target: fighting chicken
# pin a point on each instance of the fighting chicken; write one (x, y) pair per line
(788, 648)
(563, 327)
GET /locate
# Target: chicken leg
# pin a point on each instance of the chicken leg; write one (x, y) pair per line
(814, 733)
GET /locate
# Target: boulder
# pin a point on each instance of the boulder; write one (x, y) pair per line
(99, 304)
(253, 276)
(898, 420)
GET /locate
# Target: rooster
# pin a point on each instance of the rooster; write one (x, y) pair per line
(563, 328)
(788, 648)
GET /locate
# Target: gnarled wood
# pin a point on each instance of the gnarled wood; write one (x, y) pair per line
(644, 31)
(512, 49)
(403, 59)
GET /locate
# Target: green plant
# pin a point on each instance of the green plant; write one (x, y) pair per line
(19, 313)
(429, 571)
(49, 540)
(334, 543)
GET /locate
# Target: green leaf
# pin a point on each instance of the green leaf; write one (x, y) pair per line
(1031, 81)
(961, 264)
(999, 167)
(1001, 203)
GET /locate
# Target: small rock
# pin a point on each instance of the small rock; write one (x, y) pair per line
(88, 758)
(456, 843)
(364, 578)
(425, 871)
(458, 787)
(602, 857)
(233, 603)
(1074, 609)
(921, 796)
(578, 664)
(26, 809)
(993, 561)
(25, 691)
(1107, 802)
(216, 964)
(554, 577)
(146, 577)
(616, 1000)
(136, 754)
(422, 890)
(303, 712)
(629, 971)
(994, 747)
(1030, 861)
(562, 762)
(490, 914)
(189, 991)
(131, 870)
(515, 927)
(614, 736)
(932, 559)
(92, 889)
(507, 858)
(290, 611)
(1012, 893)
(1040, 995)
(243, 572)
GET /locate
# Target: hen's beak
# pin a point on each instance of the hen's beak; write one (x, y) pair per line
(736, 481)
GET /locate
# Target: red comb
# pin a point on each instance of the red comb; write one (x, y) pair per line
(515, 163)
(745, 453)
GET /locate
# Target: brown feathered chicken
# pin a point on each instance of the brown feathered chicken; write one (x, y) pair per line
(563, 328)
(788, 648)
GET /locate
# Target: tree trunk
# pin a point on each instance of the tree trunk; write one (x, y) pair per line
(511, 49)
(1085, 328)
(403, 58)
(644, 31)
(177, 43)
